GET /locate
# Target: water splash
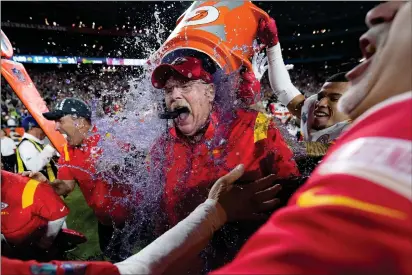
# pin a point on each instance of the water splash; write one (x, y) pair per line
(127, 139)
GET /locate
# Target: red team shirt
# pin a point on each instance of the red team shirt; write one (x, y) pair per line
(354, 215)
(191, 169)
(27, 207)
(79, 163)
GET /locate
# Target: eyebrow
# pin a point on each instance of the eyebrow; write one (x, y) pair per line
(334, 94)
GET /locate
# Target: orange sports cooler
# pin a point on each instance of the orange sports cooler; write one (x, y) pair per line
(17, 77)
(224, 30)
(6, 47)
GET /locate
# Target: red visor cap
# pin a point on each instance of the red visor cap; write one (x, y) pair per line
(187, 67)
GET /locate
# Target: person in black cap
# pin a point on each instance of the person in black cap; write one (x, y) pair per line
(73, 119)
(111, 203)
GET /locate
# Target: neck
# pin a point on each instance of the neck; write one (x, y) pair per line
(34, 135)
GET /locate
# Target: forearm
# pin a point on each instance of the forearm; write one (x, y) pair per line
(63, 187)
(178, 241)
(281, 83)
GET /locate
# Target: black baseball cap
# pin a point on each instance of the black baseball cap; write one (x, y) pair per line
(69, 106)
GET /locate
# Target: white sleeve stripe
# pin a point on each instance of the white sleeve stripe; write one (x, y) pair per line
(400, 185)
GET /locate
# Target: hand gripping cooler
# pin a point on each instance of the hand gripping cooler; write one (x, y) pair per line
(223, 30)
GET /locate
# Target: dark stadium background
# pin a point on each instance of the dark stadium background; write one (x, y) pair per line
(319, 38)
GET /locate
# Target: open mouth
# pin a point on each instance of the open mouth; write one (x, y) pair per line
(321, 114)
(181, 113)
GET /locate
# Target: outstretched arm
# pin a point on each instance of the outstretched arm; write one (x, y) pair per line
(279, 78)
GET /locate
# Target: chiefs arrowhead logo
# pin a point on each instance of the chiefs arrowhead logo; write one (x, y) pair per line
(4, 205)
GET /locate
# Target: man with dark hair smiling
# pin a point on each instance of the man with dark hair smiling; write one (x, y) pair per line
(321, 121)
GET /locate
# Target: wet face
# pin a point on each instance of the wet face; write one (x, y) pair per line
(74, 129)
(387, 68)
(326, 112)
(196, 96)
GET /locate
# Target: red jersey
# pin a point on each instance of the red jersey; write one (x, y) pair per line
(192, 168)
(26, 207)
(354, 215)
(107, 200)
(10, 266)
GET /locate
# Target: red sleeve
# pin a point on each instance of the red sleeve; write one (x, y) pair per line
(9, 266)
(285, 166)
(342, 229)
(47, 204)
(64, 171)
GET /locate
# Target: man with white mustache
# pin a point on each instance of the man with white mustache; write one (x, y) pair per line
(359, 223)
(205, 144)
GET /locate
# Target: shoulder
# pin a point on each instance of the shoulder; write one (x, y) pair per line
(376, 149)
(25, 144)
(252, 118)
(8, 178)
(390, 118)
(247, 114)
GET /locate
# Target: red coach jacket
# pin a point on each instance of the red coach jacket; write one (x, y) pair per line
(354, 215)
(26, 207)
(107, 200)
(190, 169)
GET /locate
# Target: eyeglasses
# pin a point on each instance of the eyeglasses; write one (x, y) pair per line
(185, 86)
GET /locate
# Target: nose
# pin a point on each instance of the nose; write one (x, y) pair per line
(383, 13)
(323, 102)
(176, 94)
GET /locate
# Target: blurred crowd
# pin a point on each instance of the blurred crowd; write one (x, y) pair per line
(54, 85)
(109, 87)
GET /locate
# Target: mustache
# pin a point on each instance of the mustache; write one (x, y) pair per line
(179, 104)
(175, 110)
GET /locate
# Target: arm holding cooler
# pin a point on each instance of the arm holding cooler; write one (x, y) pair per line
(281, 83)
(279, 77)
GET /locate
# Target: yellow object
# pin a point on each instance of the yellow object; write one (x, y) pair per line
(309, 198)
(28, 193)
(66, 153)
(261, 127)
(20, 167)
